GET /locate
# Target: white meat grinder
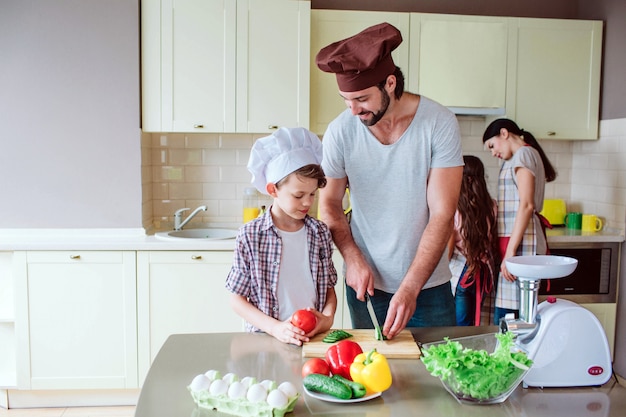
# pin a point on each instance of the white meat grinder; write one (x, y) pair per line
(566, 342)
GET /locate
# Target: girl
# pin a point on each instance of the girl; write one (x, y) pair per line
(473, 245)
(524, 171)
(282, 260)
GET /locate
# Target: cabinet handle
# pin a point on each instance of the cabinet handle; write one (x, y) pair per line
(272, 127)
(551, 133)
(198, 126)
(196, 257)
(74, 256)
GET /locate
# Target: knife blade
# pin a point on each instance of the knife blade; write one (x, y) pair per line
(370, 309)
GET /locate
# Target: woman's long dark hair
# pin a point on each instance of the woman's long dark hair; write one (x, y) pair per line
(478, 217)
(494, 129)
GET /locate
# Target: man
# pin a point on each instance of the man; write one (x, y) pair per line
(400, 154)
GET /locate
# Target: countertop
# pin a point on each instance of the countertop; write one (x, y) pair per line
(138, 239)
(563, 234)
(413, 392)
(101, 239)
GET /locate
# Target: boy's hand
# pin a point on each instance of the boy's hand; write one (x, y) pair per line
(288, 333)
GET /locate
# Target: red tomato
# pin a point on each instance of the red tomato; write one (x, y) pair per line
(304, 319)
(315, 366)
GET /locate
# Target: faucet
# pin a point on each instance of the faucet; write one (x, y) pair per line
(179, 223)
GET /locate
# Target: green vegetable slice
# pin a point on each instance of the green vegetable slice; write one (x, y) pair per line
(336, 335)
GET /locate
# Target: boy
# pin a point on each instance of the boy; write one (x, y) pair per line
(283, 259)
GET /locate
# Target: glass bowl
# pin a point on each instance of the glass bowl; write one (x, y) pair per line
(477, 384)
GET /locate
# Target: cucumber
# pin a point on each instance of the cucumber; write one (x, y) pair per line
(358, 389)
(327, 385)
(336, 335)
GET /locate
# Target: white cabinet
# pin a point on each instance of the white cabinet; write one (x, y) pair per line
(555, 77)
(460, 61)
(225, 65)
(181, 292)
(75, 319)
(328, 26)
(342, 315)
(8, 364)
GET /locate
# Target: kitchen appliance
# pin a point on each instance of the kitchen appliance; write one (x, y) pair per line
(565, 341)
(595, 278)
(555, 211)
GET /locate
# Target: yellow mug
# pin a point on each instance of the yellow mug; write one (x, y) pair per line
(591, 223)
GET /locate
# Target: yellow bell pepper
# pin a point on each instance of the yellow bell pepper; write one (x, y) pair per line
(372, 370)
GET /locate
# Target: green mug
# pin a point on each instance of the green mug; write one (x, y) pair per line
(574, 220)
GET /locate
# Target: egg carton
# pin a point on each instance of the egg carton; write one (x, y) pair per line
(241, 407)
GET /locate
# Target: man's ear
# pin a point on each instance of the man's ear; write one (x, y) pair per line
(271, 189)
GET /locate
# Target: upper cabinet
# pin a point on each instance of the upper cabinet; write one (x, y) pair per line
(328, 26)
(543, 73)
(554, 75)
(460, 61)
(225, 65)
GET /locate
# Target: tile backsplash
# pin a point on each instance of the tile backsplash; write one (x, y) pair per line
(189, 170)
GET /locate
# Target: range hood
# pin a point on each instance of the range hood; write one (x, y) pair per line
(478, 111)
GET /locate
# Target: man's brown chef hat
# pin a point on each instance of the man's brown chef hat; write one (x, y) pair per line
(363, 60)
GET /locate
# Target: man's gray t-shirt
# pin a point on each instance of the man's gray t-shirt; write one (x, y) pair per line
(388, 186)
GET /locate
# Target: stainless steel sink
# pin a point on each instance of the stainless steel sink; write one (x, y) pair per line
(197, 234)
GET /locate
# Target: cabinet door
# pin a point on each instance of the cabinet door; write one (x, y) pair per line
(342, 315)
(76, 320)
(273, 43)
(181, 292)
(188, 65)
(557, 89)
(328, 26)
(460, 61)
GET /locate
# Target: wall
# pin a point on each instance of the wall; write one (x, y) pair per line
(195, 169)
(69, 114)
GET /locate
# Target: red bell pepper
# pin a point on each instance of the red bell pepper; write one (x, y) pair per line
(341, 355)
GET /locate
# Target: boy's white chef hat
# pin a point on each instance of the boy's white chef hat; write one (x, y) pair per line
(274, 157)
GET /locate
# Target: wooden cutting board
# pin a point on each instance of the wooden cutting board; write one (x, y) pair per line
(402, 346)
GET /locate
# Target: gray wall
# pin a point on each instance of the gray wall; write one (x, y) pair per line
(69, 114)
(612, 12)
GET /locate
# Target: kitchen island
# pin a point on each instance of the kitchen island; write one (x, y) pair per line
(413, 392)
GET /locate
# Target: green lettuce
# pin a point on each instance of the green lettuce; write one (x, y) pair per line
(477, 373)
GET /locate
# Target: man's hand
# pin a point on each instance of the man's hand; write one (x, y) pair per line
(359, 277)
(401, 309)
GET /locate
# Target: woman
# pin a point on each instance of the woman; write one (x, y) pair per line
(524, 171)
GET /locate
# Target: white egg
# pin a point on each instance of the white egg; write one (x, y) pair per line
(200, 383)
(230, 378)
(288, 389)
(213, 374)
(218, 387)
(277, 399)
(269, 385)
(237, 390)
(256, 393)
(248, 380)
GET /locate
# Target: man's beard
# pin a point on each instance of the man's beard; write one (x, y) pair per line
(384, 105)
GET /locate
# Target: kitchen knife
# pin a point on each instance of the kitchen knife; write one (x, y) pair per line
(370, 309)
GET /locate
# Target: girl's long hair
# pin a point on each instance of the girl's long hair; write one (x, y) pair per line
(478, 217)
(494, 129)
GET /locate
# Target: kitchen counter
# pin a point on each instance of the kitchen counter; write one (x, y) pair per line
(413, 392)
(137, 239)
(563, 234)
(101, 239)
